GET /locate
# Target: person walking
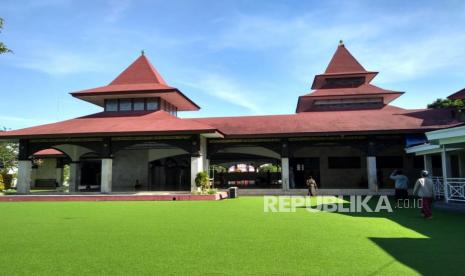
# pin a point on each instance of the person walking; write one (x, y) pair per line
(400, 184)
(312, 187)
(424, 189)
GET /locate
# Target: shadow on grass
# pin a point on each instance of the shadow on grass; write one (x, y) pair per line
(441, 253)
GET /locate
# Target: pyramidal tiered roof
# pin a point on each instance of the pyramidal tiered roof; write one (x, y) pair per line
(140, 79)
(140, 71)
(345, 84)
(343, 62)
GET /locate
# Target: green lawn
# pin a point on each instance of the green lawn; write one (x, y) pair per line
(223, 237)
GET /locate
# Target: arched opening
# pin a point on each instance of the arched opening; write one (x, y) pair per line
(170, 174)
(146, 166)
(256, 169)
(48, 172)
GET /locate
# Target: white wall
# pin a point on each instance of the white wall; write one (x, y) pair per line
(337, 178)
(130, 166)
(47, 169)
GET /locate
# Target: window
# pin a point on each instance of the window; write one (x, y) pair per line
(125, 105)
(349, 103)
(344, 163)
(111, 105)
(344, 82)
(139, 104)
(389, 162)
(152, 104)
(134, 104)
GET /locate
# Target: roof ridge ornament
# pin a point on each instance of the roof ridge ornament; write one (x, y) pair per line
(142, 52)
(341, 42)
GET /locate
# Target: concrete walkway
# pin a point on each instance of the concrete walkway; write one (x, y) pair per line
(155, 196)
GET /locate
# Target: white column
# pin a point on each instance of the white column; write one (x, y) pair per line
(196, 167)
(206, 166)
(427, 160)
(107, 169)
(445, 162)
(461, 164)
(24, 176)
(285, 173)
(59, 176)
(74, 177)
(371, 174)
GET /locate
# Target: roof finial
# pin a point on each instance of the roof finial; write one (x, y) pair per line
(142, 52)
(341, 43)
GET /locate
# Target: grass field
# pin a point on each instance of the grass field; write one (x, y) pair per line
(223, 237)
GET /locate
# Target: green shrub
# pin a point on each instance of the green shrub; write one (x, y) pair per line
(7, 180)
(212, 191)
(202, 180)
(9, 192)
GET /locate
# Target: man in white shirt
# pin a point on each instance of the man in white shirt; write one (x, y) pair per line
(424, 189)
(401, 184)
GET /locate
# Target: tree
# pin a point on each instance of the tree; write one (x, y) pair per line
(3, 48)
(268, 168)
(446, 103)
(8, 156)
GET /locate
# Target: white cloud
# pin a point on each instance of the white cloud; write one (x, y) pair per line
(116, 10)
(56, 61)
(227, 90)
(19, 122)
(390, 43)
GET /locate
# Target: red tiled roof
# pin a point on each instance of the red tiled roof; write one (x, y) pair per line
(140, 71)
(364, 89)
(387, 119)
(138, 80)
(460, 95)
(354, 82)
(343, 62)
(48, 152)
(106, 123)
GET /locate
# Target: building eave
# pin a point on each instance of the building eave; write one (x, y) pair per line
(453, 135)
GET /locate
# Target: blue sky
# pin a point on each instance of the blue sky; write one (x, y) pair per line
(231, 57)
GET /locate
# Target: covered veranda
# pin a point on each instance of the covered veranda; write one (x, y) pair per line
(124, 164)
(447, 145)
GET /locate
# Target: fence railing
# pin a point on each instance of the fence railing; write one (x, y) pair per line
(453, 190)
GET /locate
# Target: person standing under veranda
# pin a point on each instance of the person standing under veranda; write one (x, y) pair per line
(312, 187)
(401, 184)
(424, 189)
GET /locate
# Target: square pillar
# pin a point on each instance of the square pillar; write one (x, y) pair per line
(74, 176)
(197, 165)
(285, 173)
(24, 176)
(372, 174)
(106, 175)
(461, 164)
(198, 159)
(445, 164)
(427, 160)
